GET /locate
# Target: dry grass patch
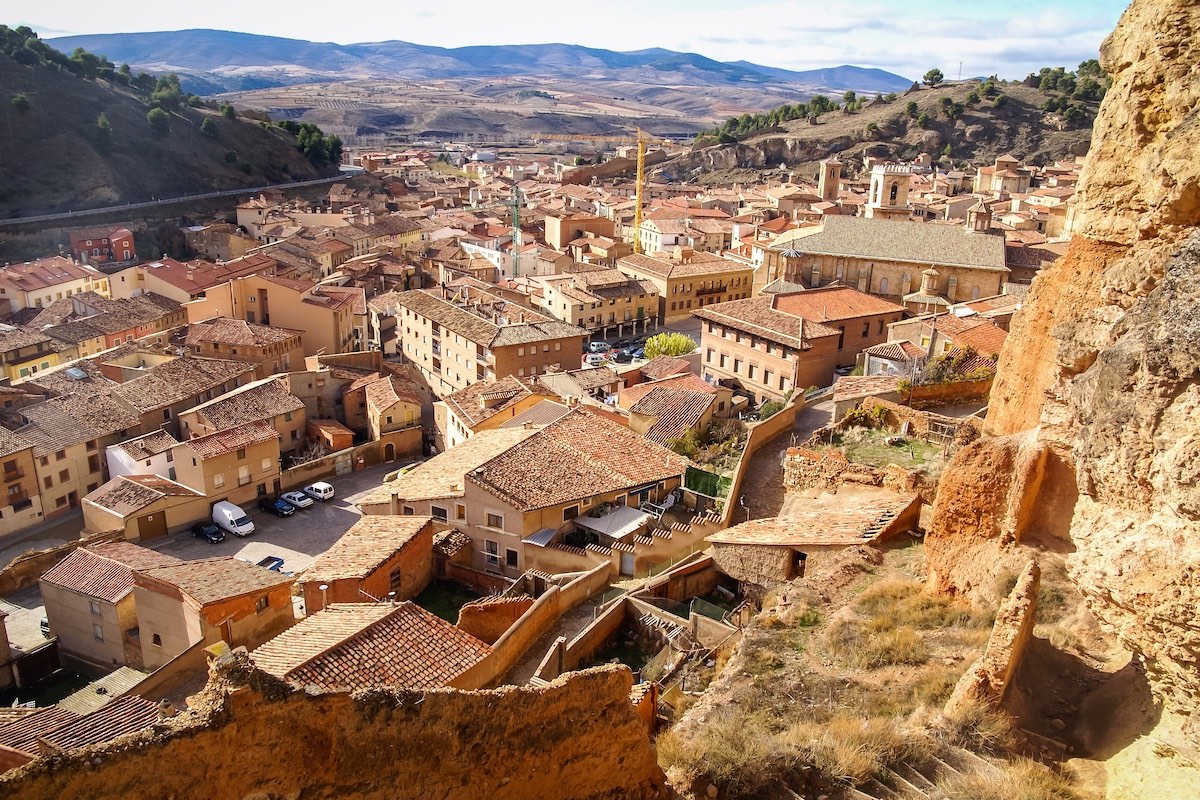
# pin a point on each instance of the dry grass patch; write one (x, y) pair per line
(734, 750)
(1016, 780)
(862, 644)
(851, 749)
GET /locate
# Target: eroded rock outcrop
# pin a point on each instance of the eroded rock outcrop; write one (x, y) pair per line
(256, 737)
(1101, 371)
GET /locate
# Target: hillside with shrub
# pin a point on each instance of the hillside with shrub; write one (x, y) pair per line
(1044, 117)
(80, 132)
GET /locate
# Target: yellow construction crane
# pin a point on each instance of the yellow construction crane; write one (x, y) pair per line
(641, 140)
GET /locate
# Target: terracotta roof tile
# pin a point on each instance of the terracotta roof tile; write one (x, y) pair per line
(346, 647)
(365, 546)
(231, 439)
(834, 304)
(581, 455)
(104, 571)
(213, 579)
(127, 714)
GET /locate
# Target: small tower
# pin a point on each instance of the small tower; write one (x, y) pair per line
(979, 218)
(929, 282)
(888, 198)
(829, 179)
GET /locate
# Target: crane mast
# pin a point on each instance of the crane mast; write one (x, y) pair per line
(516, 231)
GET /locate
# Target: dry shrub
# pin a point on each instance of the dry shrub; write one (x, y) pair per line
(868, 645)
(1016, 780)
(733, 750)
(881, 597)
(979, 727)
(852, 749)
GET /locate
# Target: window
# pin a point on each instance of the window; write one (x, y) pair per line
(98, 632)
(94, 605)
(438, 513)
(510, 558)
(218, 480)
(60, 455)
(266, 465)
(44, 460)
(460, 511)
(166, 413)
(47, 481)
(394, 578)
(751, 370)
(409, 511)
(241, 453)
(495, 520)
(866, 329)
(243, 475)
(261, 604)
(156, 640)
(737, 365)
(491, 552)
(93, 463)
(709, 355)
(883, 285)
(64, 475)
(570, 512)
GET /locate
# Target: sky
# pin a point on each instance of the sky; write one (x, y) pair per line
(908, 37)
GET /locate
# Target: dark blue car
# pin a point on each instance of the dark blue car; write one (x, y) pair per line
(278, 507)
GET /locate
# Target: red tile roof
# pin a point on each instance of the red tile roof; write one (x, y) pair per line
(127, 714)
(833, 304)
(227, 441)
(357, 646)
(104, 571)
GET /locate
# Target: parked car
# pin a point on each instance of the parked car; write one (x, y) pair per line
(319, 491)
(277, 506)
(638, 352)
(297, 499)
(232, 519)
(599, 347)
(622, 343)
(622, 357)
(273, 563)
(209, 531)
(45, 626)
(594, 359)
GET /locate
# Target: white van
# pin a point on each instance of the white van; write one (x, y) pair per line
(319, 491)
(231, 518)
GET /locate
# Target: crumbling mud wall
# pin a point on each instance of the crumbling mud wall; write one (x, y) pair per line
(255, 737)
(1101, 370)
(988, 678)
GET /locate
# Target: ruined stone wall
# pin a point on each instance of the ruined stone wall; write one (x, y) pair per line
(578, 738)
(1100, 371)
(487, 619)
(988, 678)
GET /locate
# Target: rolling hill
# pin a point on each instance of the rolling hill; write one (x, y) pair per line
(224, 60)
(53, 155)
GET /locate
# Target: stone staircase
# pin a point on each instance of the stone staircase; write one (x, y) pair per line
(917, 780)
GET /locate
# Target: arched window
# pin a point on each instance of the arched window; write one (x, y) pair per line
(883, 285)
(894, 194)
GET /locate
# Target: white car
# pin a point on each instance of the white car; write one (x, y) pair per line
(594, 359)
(319, 491)
(298, 499)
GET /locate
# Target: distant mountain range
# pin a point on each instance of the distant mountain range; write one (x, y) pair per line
(210, 61)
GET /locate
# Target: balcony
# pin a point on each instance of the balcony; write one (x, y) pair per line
(711, 290)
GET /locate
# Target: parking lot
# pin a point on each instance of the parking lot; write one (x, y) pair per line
(297, 539)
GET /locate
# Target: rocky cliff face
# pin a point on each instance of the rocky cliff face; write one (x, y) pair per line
(255, 737)
(1099, 379)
